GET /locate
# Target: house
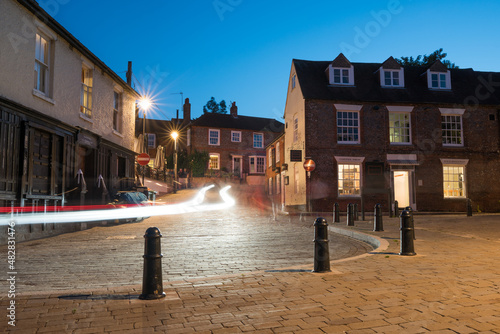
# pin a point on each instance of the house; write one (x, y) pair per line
(276, 170)
(66, 119)
(426, 137)
(236, 143)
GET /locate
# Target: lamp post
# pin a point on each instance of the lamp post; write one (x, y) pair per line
(144, 103)
(174, 135)
(309, 166)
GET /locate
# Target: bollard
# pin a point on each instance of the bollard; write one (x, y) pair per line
(350, 214)
(378, 225)
(396, 209)
(409, 209)
(152, 283)
(406, 234)
(469, 207)
(336, 213)
(321, 248)
(356, 214)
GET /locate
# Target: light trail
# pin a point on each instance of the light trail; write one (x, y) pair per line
(194, 205)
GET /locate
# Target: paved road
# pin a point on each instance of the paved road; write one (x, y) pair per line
(205, 244)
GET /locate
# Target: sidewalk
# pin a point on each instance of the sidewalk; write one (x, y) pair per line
(452, 285)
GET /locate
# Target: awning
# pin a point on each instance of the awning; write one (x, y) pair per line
(402, 159)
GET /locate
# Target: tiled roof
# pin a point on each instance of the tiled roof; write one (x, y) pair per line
(464, 85)
(227, 121)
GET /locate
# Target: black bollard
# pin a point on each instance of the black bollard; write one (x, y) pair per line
(378, 225)
(350, 214)
(152, 283)
(321, 248)
(336, 213)
(409, 209)
(396, 209)
(406, 234)
(469, 207)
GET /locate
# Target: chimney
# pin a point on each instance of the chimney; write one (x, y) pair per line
(234, 110)
(129, 74)
(187, 111)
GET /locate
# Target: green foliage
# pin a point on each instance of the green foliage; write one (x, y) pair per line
(213, 107)
(424, 60)
(198, 162)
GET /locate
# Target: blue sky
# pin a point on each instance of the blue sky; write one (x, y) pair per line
(241, 50)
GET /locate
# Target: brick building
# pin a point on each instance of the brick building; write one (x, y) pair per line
(276, 170)
(236, 144)
(428, 137)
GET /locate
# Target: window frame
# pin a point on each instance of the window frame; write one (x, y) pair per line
(233, 133)
(448, 113)
(440, 78)
(253, 160)
(86, 101)
(347, 127)
(357, 180)
(383, 78)
(117, 111)
(45, 63)
(213, 155)
(461, 184)
(218, 137)
(392, 136)
(256, 141)
(342, 73)
(295, 129)
(151, 140)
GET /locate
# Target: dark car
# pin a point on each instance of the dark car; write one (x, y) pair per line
(127, 199)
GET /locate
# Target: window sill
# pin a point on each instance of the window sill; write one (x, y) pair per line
(85, 118)
(116, 133)
(452, 146)
(42, 96)
(457, 197)
(401, 144)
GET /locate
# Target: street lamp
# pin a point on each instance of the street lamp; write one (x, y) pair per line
(145, 104)
(175, 135)
(309, 166)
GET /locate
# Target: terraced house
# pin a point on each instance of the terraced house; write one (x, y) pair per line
(428, 137)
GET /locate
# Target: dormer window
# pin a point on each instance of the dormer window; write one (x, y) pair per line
(340, 72)
(439, 80)
(391, 74)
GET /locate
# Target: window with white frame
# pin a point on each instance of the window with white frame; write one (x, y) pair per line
(213, 137)
(151, 140)
(117, 111)
(439, 80)
(214, 161)
(277, 152)
(349, 179)
(295, 129)
(454, 181)
(399, 128)
(257, 165)
(236, 136)
(86, 93)
(42, 75)
(348, 127)
(392, 78)
(451, 129)
(258, 140)
(270, 157)
(341, 75)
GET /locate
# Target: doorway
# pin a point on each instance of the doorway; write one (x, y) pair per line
(401, 181)
(237, 166)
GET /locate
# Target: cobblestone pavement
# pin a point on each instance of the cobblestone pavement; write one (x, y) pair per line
(452, 285)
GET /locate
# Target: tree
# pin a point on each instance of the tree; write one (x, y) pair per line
(213, 107)
(424, 60)
(198, 163)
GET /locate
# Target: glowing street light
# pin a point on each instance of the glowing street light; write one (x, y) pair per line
(145, 103)
(175, 135)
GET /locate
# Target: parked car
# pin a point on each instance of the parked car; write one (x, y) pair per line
(127, 199)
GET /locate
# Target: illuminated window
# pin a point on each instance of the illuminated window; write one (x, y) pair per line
(214, 137)
(399, 128)
(257, 165)
(453, 181)
(451, 126)
(258, 140)
(213, 163)
(42, 64)
(86, 94)
(349, 179)
(348, 127)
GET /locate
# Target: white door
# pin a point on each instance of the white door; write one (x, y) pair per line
(402, 188)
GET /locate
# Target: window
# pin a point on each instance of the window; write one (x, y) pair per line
(117, 111)
(349, 179)
(294, 79)
(86, 96)
(451, 126)
(257, 165)
(258, 140)
(213, 137)
(270, 186)
(340, 76)
(151, 140)
(399, 128)
(213, 162)
(392, 78)
(278, 184)
(348, 127)
(297, 178)
(42, 64)
(270, 157)
(236, 136)
(295, 129)
(188, 139)
(439, 80)
(277, 152)
(453, 181)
